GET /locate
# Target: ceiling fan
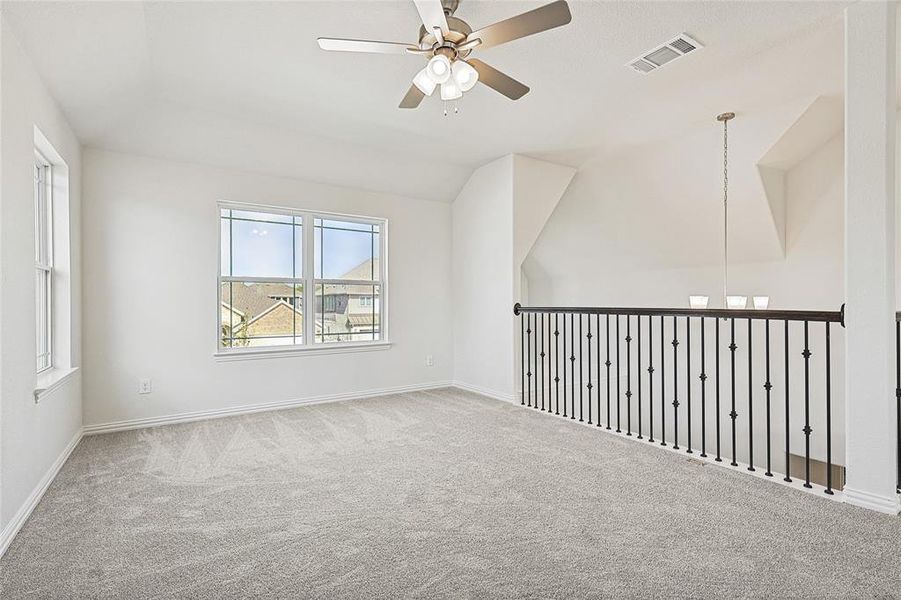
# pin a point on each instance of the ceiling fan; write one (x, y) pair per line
(447, 41)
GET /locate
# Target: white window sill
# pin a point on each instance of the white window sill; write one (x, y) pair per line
(51, 379)
(257, 353)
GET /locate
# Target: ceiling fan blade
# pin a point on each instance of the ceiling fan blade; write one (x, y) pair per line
(498, 81)
(412, 99)
(432, 14)
(339, 45)
(535, 21)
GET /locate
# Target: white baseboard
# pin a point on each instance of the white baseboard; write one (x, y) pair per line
(884, 504)
(18, 520)
(506, 397)
(215, 413)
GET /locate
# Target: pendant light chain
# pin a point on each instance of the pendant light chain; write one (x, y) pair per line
(725, 118)
(725, 211)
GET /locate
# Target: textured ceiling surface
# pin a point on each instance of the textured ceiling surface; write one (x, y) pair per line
(244, 84)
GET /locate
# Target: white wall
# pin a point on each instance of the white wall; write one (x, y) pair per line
(619, 237)
(150, 291)
(32, 436)
(483, 279)
(497, 217)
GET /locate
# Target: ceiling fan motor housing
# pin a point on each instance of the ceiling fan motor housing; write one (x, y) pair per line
(458, 29)
(450, 6)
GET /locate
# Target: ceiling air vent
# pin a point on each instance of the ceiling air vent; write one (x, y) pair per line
(656, 58)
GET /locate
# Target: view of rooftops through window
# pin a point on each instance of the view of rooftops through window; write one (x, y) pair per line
(264, 273)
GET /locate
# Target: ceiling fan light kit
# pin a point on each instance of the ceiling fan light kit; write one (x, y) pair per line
(439, 68)
(450, 90)
(424, 82)
(446, 41)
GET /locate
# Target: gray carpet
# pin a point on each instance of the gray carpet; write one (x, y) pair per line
(439, 494)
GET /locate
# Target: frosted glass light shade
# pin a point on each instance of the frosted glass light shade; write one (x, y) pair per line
(439, 68)
(698, 302)
(464, 74)
(761, 302)
(736, 302)
(450, 90)
(424, 82)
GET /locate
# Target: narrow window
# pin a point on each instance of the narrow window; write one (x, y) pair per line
(43, 262)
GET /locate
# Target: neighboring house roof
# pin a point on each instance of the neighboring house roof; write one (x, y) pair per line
(279, 319)
(260, 306)
(253, 300)
(363, 320)
(367, 270)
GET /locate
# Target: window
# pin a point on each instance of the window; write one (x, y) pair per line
(270, 258)
(43, 261)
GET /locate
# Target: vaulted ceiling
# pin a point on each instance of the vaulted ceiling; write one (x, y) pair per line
(244, 84)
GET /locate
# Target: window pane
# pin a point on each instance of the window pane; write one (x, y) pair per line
(258, 242)
(298, 250)
(261, 314)
(262, 249)
(261, 216)
(42, 239)
(42, 310)
(333, 224)
(225, 251)
(347, 313)
(344, 250)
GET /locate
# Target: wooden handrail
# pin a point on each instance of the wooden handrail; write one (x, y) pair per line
(826, 316)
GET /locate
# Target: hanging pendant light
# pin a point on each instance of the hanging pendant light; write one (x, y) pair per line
(732, 302)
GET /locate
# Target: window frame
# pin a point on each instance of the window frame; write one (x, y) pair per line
(43, 231)
(308, 279)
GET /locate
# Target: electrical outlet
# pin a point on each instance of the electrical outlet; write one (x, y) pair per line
(145, 386)
(430, 361)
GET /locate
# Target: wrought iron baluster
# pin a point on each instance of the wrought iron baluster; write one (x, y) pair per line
(675, 384)
(529, 359)
(522, 358)
(733, 415)
(557, 363)
(703, 378)
(787, 438)
(589, 386)
(807, 430)
(768, 386)
(638, 374)
(750, 398)
(662, 385)
(717, 365)
(572, 363)
(650, 378)
(607, 364)
(581, 387)
(628, 375)
(688, 379)
(618, 404)
(535, 331)
(547, 374)
(828, 410)
(541, 355)
(550, 367)
(598, 329)
(564, 364)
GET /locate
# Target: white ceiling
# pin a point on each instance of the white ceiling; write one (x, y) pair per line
(244, 84)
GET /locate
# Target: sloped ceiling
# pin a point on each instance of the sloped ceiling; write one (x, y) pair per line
(244, 85)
